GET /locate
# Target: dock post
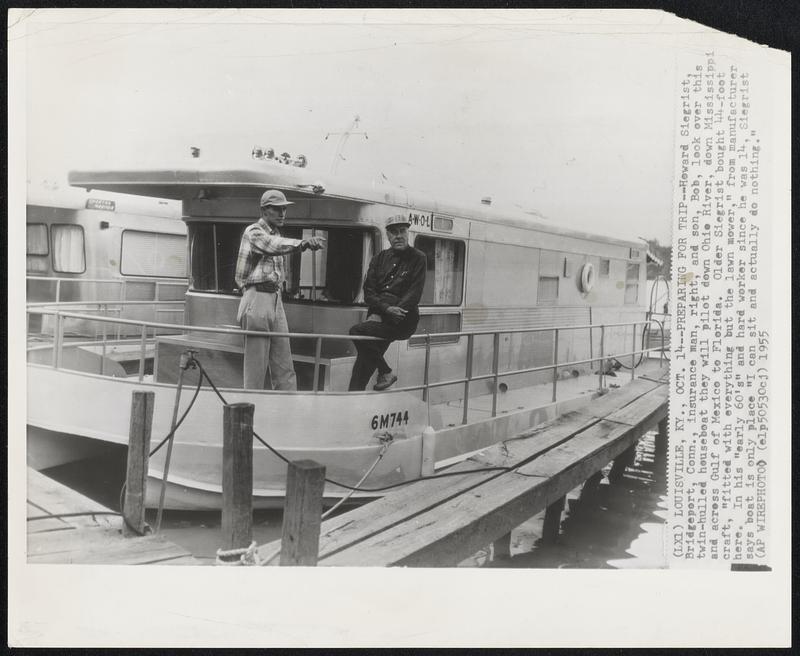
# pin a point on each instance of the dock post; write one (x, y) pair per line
(661, 437)
(552, 521)
(237, 475)
(620, 463)
(588, 496)
(501, 548)
(138, 457)
(302, 513)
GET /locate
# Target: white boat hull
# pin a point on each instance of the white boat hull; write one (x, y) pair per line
(338, 430)
(333, 429)
(46, 449)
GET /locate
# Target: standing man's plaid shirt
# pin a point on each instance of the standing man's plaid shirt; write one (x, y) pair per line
(261, 253)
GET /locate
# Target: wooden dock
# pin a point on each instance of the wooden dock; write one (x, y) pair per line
(77, 530)
(442, 521)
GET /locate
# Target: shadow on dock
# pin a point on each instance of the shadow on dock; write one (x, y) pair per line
(101, 479)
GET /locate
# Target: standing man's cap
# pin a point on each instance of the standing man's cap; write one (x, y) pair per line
(397, 219)
(274, 197)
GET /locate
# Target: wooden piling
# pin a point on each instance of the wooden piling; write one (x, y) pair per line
(501, 548)
(302, 513)
(138, 458)
(237, 475)
(588, 496)
(661, 437)
(552, 521)
(622, 461)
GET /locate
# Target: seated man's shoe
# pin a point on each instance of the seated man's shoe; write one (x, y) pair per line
(385, 381)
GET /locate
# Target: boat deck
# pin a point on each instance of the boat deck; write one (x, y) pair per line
(66, 527)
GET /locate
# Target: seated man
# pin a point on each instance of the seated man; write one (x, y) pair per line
(392, 290)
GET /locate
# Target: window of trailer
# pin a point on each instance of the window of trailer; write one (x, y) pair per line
(444, 279)
(69, 255)
(38, 248)
(153, 254)
(632, 283)
(548, 290)
(331, 275)
(37, 239)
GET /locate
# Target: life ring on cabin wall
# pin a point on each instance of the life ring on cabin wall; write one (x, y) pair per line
(587, 277)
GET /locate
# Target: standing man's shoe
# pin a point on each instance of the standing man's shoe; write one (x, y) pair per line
(385, 381)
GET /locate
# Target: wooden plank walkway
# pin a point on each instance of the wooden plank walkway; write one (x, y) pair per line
(440, 522)
(87, 538)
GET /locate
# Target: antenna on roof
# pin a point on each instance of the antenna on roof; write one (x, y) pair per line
(344, 136)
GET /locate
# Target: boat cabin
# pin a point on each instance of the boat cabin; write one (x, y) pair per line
(488, 270)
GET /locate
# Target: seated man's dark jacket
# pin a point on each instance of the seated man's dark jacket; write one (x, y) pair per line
(396, 278)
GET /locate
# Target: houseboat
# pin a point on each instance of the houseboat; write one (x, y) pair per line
(88, 247)
(98, 252)
(516, 309)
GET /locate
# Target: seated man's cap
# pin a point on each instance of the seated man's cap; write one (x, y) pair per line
(397, 219)
(274, 197)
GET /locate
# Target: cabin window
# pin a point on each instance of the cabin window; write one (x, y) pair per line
(605, 266)
(548, 290)
(332, 275)
(444, 279)
(153, 254)
(68, 248)
(442, 224)
(202, 263)
(36, 264)
(632, 283)
(437, 323)
(213, 252)
(37, 239)
(38, 248)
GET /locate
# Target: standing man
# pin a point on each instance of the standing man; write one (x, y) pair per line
(392, 290)
(260, 274)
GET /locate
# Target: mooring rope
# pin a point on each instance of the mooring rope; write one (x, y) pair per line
(86, 513)
(242, 556)
(345, 485)
(147, 528)
(180, 421)
(386, 444)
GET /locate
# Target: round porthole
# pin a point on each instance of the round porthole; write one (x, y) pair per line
(587, 277)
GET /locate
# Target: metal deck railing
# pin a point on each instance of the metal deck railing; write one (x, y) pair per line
(640, 330)
(121, 283)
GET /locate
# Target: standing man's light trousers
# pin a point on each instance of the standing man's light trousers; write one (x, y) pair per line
(264, 311)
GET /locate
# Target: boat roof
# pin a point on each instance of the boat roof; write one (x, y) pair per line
(184, 181)
(71, 198)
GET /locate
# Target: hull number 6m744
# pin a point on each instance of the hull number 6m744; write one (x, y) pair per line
(389, 420)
